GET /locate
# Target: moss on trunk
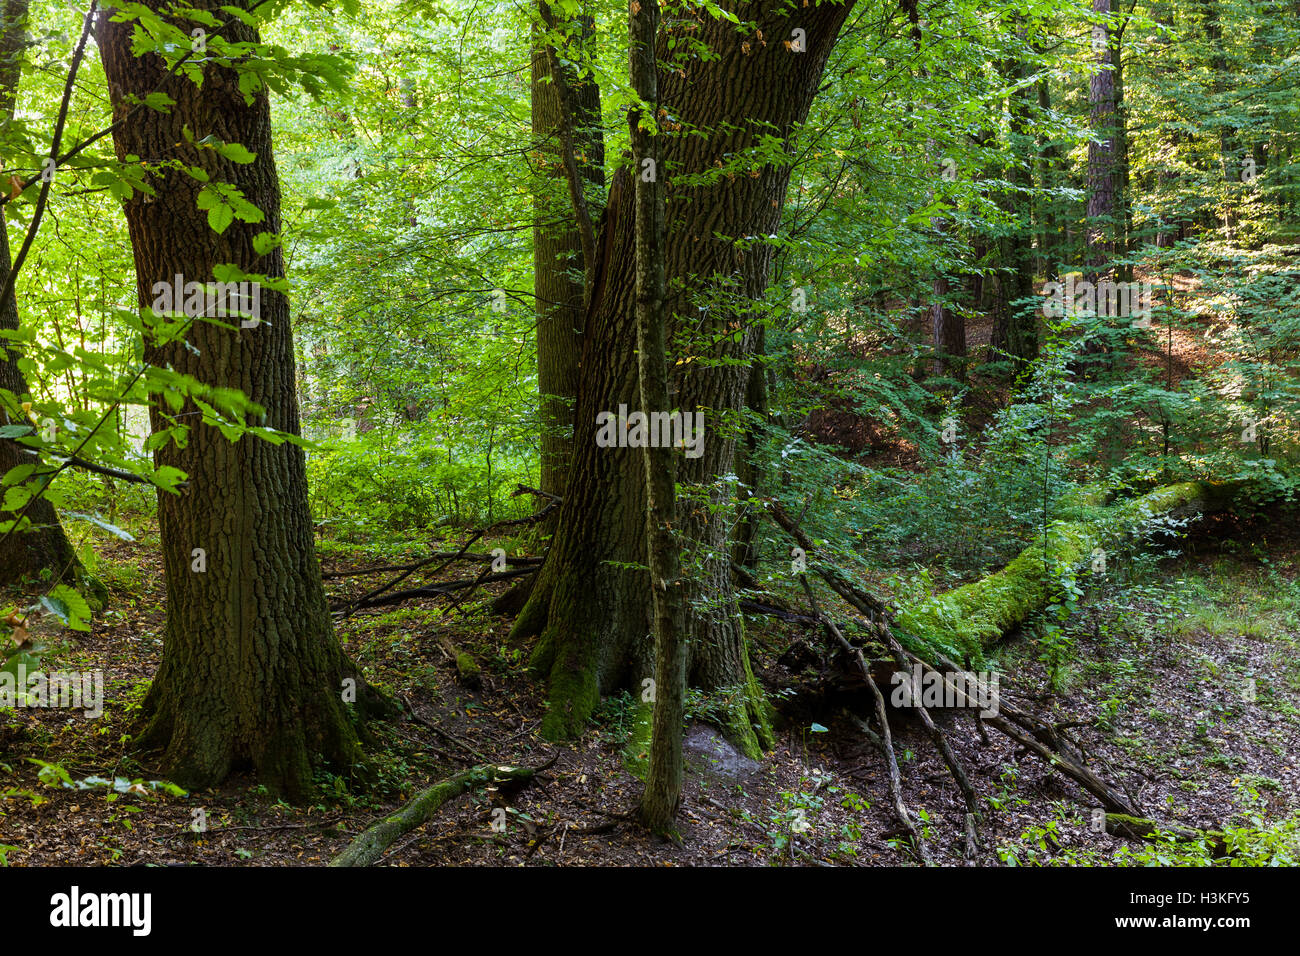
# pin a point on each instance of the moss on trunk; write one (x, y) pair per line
(965, 621)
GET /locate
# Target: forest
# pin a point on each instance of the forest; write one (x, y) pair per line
(672, 433)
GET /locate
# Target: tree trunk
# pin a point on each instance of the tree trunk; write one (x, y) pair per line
(1050, 241)
(39, 544)
(1015, 325)
(663, 788)
(589, 607)
(947, 327)
(1102, 153)
(964, 621)
(1218, 62)
(745, 551)
(371, 843)
(251, 671)
(557, 249)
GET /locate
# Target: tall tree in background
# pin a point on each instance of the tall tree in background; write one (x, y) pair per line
(725, 161)
(40, 543)
(1015, 326)
(1103, 155)
(570, 146)
(251, 671)
(1047, 213)
(1229, 159)
(947, 325)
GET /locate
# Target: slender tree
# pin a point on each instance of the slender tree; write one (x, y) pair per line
(1015, 326)
(1103, 155)
(664, 778)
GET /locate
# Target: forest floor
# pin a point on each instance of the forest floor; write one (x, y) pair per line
(1188, 690)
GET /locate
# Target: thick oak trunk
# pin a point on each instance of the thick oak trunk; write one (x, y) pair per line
(251, 671)
(590, 609)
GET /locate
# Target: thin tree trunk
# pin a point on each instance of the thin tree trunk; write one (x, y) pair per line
(1102, 150)
(558, 266)
(663, 789)
(1015, 326)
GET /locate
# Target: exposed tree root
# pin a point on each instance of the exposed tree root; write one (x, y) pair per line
(370, 845)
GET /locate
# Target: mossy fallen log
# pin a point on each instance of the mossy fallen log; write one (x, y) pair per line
(370, 845)
(966, 620)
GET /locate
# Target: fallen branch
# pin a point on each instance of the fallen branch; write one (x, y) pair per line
(474, 557)
(950, 758)
(373, 598)
(444, 734)
(1042, 738)
(973, 617)
(886, 739)
(1140, 828)
(864, 601)
(441, 589)
(467, 669)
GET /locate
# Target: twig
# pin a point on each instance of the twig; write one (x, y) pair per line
(446, 734)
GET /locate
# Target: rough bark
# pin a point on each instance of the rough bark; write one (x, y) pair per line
(558, 264)
(589, 608)
(1102, 149)
(663, 789)
(40, 543)
(251, 672)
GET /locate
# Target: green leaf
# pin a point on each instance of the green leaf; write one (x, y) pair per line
(220, 218)
(236, 153)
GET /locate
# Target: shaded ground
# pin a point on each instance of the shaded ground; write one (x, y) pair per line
(1189, 688)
